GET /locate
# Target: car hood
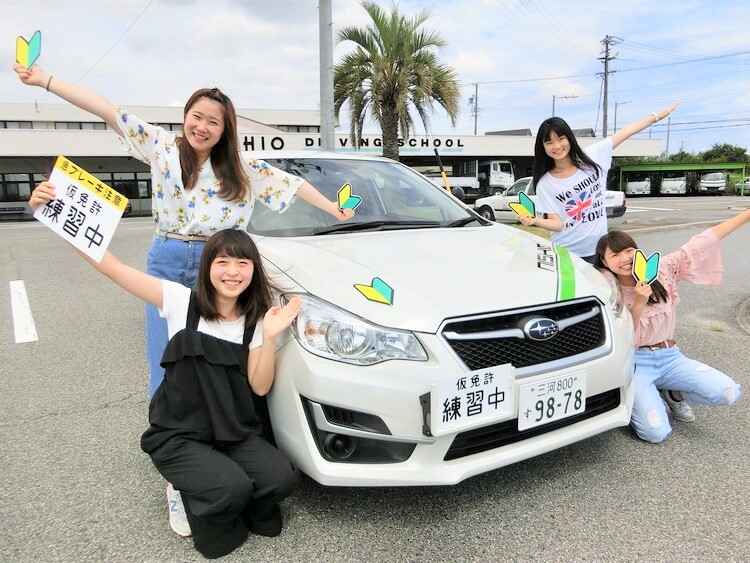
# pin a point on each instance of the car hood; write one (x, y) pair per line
(434, 274)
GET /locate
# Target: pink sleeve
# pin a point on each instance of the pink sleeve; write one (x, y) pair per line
(699, 260)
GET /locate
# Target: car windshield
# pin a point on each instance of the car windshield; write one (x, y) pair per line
(392, 197)
(713, 176)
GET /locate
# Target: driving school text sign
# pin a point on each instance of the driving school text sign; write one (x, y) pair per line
(412, 145)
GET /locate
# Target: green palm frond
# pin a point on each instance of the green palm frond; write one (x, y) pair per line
(393, 71)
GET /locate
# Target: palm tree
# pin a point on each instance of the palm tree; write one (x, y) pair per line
(393, 69)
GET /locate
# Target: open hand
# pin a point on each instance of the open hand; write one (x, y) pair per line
(665, 112)
(278, 318)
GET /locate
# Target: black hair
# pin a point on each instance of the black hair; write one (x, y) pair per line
(618, 241)
(256, 299)
(543, 163)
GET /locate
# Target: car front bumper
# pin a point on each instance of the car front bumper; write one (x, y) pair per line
(308, 389)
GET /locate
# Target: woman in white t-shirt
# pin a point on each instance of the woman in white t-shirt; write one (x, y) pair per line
(570, 183)
(205, 436)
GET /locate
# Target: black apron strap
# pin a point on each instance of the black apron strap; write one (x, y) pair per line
(192, 317)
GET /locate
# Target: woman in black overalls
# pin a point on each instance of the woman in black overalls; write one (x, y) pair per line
(205, 437)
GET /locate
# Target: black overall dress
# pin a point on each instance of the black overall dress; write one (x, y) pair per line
(206, 439)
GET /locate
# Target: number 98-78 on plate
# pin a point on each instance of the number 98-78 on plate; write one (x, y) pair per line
(551, 399)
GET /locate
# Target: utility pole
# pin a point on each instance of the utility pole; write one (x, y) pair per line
(669, 122)
(608, 42)
(622, 104)
(327, 123)
(474, 102)
(559, 98)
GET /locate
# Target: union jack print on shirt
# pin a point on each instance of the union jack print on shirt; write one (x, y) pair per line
(576, 207)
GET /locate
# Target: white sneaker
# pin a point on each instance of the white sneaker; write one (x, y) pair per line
(680, 409)
(177, 518)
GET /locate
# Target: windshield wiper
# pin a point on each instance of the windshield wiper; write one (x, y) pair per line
(374, 226)
(463, 222)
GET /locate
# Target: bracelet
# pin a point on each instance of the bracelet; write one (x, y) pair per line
(655, 116)
(48, 81)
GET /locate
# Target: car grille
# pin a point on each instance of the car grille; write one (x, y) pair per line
(504, 433)
(584, 332)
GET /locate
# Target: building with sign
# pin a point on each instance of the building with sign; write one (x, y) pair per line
(33, 135)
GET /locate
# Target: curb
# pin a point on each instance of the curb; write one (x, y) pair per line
(672, 227)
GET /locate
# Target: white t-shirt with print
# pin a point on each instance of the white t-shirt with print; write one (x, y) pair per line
(579, 201)
(176, 299)
(199, 211)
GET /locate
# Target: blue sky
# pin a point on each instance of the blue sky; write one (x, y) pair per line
(516, 54)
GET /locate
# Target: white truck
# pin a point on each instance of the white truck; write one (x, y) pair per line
(495, 176)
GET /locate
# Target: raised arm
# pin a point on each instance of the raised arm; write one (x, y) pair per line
(142, 285)
(638, 126)
(731, 225)
(80, 97)
(312, 196)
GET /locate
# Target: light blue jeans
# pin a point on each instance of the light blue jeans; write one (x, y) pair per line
(668, 368)
(177, 261)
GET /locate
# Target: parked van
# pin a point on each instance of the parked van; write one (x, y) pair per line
(638, 183)
(673, 183)
(713, 182)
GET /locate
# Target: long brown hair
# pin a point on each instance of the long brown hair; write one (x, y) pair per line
(618, 241)
(256, 299)
(225, 154)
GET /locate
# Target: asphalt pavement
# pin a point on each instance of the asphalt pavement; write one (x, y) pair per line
(76, 486)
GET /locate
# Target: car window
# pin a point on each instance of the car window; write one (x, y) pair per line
(388, 190)
(518, 187)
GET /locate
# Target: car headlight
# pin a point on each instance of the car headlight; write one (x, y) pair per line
(615, 298)
(330, 332)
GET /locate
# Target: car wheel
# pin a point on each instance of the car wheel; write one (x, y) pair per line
(486, 212)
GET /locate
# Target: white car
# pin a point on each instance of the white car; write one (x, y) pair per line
(743, 187)
(495, 207)
(432, 345)
(712, 182)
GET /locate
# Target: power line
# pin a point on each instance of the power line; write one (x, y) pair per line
(149, 2)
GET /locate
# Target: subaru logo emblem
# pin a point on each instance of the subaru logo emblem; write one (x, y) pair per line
(541, 329)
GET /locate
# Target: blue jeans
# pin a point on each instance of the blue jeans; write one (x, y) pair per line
(177, 261)
(668, 368)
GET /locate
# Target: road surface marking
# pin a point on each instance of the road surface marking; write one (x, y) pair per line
(23, 322)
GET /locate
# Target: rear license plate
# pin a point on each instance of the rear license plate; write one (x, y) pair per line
(551, 399)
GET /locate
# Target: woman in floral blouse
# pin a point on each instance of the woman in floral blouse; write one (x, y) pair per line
(201, 184)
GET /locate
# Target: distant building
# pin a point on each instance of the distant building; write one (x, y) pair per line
(32, 135)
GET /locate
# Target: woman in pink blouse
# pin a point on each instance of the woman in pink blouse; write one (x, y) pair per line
(659, 364)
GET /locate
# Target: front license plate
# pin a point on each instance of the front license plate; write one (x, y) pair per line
(551, 399)
(471, 399)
